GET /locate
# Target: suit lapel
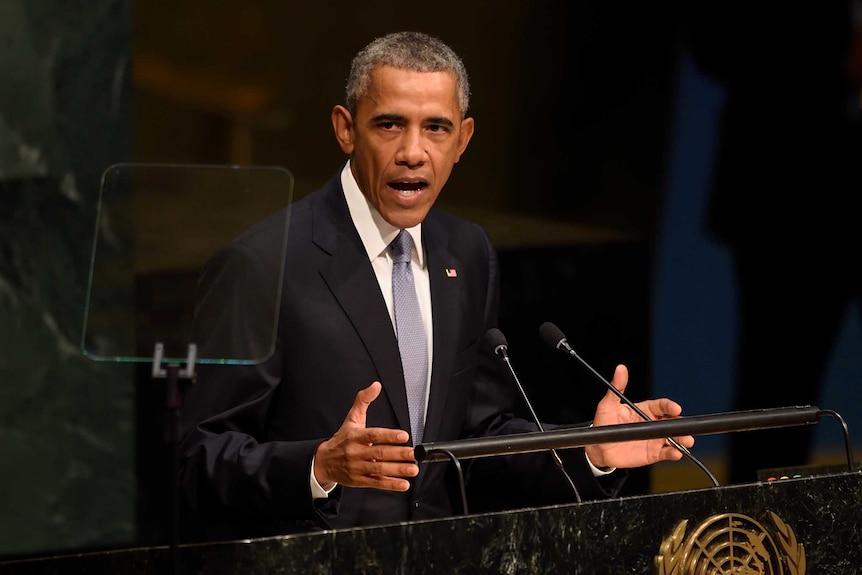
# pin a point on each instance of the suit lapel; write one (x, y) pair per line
(445, 294)
(349, 275)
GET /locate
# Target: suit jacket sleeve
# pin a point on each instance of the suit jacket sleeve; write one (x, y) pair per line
(228, 473)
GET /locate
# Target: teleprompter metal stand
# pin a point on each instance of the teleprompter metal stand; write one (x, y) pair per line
(177, 382)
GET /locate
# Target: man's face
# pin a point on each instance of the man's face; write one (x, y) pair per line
(405, 138)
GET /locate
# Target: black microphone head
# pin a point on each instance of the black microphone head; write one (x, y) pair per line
(497, 340)
(551, 334)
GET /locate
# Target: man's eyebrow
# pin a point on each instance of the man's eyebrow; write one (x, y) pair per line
(440, 120)
(398, 118)
(388, 118)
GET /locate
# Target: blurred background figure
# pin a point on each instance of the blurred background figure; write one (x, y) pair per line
(787, 174)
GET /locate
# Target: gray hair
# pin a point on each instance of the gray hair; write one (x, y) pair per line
(413, 51)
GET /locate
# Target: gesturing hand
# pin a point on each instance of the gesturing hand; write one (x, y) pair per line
(359, 456)
(628, 454)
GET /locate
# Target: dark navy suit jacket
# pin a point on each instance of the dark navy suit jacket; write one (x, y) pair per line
(251, 431)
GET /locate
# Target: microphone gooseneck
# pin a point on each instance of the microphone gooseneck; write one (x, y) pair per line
(555, 338)
(501, 350)
(497, 340)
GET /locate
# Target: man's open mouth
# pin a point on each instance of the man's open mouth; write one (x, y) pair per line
(408, 187)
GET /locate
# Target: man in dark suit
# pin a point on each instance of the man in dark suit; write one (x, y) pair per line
(318, 432)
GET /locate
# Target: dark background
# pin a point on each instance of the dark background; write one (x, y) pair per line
(592, 155)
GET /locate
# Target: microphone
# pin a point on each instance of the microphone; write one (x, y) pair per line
(554, 337)
(501, 349)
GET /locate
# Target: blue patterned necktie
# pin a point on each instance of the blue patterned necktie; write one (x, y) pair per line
(412, 342)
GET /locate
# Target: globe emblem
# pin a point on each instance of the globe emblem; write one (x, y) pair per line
(730, 544)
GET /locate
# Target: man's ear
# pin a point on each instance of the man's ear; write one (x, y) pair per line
(467, 125)
(342, 123)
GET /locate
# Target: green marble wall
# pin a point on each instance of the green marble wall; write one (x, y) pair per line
(66, 422)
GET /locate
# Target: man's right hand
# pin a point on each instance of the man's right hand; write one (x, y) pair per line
(359, 456)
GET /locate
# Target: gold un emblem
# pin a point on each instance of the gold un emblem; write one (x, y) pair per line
(732, 544)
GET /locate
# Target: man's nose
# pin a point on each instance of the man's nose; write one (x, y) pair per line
(412, 150)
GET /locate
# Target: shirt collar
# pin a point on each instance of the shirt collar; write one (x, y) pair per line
(375, 232)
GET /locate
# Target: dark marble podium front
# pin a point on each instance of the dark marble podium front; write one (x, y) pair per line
(819, 516)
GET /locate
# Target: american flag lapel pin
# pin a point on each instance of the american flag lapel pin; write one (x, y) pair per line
(451, 273)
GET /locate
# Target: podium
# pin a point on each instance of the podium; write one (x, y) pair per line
(786, 526)
(791, 526)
